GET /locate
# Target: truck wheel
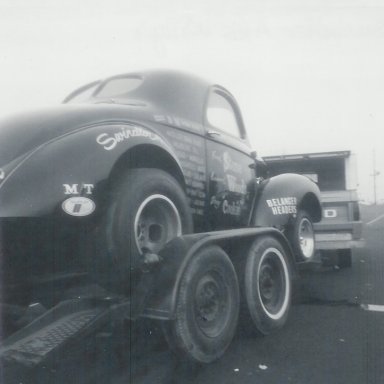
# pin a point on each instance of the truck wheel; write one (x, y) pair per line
(344, 258)
(303, 237)
(148, 208)
(207, 307)
(267, 284)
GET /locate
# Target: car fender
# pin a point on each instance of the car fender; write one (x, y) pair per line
(281, 197)
(75, 165)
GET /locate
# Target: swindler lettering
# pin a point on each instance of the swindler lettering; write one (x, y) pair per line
(110, 141)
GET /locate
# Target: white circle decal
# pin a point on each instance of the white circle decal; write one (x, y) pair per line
(78, 206)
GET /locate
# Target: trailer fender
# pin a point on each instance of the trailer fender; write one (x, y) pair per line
(175, 256)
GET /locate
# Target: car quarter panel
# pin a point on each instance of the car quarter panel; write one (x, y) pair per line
(74, 165)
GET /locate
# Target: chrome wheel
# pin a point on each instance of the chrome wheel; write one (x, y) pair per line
(306, 238)
(157, 221)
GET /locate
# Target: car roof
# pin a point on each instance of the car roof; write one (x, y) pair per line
(171, 92)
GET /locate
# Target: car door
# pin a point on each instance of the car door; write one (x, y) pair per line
(229, 163)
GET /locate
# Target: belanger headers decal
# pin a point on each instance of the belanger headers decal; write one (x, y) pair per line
(283, 205)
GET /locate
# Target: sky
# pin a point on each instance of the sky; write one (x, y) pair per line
(307, 74)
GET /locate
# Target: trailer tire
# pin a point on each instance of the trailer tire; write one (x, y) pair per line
(302, 237)
(147, 208)
(207, 307)
(268, 286)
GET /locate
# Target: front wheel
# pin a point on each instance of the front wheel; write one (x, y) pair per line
(207, 307)
(267, 284)
(302, 237)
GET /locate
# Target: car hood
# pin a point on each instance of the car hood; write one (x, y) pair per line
(23, 133)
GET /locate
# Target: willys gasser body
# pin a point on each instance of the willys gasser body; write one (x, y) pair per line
(145, 186)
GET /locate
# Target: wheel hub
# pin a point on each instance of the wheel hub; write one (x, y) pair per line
(211, 297)
(273, 286)
(270, 284)
(157, 221)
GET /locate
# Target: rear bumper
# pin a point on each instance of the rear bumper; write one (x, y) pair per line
(339, 244)
(339, 235)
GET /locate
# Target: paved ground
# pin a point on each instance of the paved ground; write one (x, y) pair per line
(329, 337)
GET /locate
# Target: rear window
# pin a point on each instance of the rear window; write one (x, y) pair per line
(119, 86)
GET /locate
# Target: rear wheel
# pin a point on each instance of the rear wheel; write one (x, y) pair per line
(147, 209)
(207, 307)
(267, 284)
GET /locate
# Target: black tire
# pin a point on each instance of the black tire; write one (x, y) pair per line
(268, 286)
(147, 208)
(207, 308)
(302, 237)
(344, 258)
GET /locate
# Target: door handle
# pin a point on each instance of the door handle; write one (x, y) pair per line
(213, 133)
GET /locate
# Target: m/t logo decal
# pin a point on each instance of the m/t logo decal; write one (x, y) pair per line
(73, 189)
(78, 206)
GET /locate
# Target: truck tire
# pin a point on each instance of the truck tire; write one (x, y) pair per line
(147, 208)
(302, 237)
(267, 284)
(207, 308)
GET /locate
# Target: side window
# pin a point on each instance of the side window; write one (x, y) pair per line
(221, 115)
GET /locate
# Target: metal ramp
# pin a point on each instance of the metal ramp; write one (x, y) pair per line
(59, 328)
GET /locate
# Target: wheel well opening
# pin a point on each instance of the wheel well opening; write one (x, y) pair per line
(311, 204)
(147, 156)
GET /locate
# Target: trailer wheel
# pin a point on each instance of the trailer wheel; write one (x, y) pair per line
(147, 209)
(302, 237)
(207, 307)
(267, 284)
